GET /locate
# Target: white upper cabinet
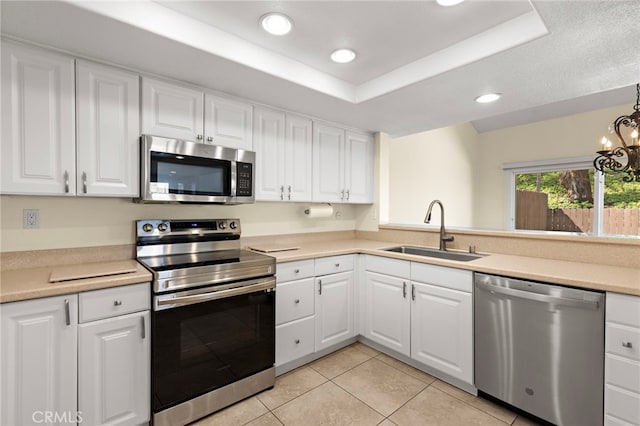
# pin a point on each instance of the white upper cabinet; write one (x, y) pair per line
(108, 131)
(172, 111)
(228, 123)
(342, 165)
(283, 145)
(38, 122)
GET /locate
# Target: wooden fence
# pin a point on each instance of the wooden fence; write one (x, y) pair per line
(532, 213)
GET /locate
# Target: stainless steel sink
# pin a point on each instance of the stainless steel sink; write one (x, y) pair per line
(423, 251)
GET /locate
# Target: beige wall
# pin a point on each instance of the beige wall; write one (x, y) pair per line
(438, 164)
(82, 222)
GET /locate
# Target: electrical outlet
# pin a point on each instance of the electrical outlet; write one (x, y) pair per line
(30, 218)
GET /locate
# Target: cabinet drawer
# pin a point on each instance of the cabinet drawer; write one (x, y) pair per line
(294, 340)
(623, 309)
(455, 279)
(388, 266)
(294, 270)
(115, 301)
(624, 341)
(334, 264)
(621, 404)
(294, 300)
(622, 373)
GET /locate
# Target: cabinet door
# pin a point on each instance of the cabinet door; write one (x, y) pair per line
(268, 142)
(39, 361)
(387, 318)
(298, 158)
(442, 330)
(114, 370)
(359, 168)
(228, 123)
(334, 309)
(328, 164)
(172, 111)
(108, 131)
(38, 122)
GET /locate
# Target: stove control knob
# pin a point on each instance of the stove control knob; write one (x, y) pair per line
(147, 227)
(162, 227)
(222, 225)
(233, 225)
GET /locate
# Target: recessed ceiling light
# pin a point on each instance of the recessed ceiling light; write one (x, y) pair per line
(448, 2)
(276, 23)
(489, 97)
(342, 56)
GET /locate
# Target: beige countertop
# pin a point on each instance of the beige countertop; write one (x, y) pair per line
(584, 275)
(32, 283)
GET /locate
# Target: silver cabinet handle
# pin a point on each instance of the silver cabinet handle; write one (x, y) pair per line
(297, 341)
(627, 345)
(66, 181)
(144, 328)
(117, 302)
(289, 196)
(84, 182)
(413, 292)
(342, 194)
(296, 301)
(337, 265)
(404, 290)
(347, 195)
(67, 312)
(209, 139)
(296, 271)
(282, 192)
(199, 137)
(319, 286)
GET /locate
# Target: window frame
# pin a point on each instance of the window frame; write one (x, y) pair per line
(555, 165)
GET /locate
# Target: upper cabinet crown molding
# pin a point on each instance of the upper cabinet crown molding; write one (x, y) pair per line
(38, 121)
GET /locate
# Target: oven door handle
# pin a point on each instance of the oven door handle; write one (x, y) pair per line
(215, 295)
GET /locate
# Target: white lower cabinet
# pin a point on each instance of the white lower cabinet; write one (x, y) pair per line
(622, 360)
(334, 309)
(56, 371)
(39, 361)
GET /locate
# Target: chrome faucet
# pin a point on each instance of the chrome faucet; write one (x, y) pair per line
(443, 236)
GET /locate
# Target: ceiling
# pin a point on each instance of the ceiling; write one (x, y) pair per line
(419, 65)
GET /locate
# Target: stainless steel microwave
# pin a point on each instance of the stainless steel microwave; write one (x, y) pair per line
(173, 170)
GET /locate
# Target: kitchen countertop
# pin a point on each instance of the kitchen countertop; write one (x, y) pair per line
(577, 274)
(33, 283)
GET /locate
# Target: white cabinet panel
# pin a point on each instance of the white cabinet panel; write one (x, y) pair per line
(294, 300)
(334, 309)
(38, 122)
(328, 163)
(111, 302)
(114, 370)
(359, 168)
(268, 140)
(387, 318)
(294, 340)
(388, 266)
(108, 131)
(172, 111)
(228, 122)
(334, 264)
(39, 360)
(622, 405)
(298, 150)
(442, 330)
(294, 270)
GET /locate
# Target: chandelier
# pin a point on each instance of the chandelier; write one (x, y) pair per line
(626, 157)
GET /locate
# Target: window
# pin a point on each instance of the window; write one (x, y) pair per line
(568, 195)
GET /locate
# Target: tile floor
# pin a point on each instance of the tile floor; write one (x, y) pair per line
(360, 386)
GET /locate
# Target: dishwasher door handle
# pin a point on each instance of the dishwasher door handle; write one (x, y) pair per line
(544, 298)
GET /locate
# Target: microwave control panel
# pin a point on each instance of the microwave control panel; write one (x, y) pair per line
(244, 179)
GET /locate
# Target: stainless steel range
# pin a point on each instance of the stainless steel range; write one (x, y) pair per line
(213, 318)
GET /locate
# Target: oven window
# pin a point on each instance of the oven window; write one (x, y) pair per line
(191, 175)
(201, 347)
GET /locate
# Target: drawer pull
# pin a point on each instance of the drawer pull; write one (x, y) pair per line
(297, 341)
(296, 271)
(117, 302)
(296, 301)
(67, 312)
(627, 345)
(337, 265)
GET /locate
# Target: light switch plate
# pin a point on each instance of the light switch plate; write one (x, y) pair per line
(30, 218)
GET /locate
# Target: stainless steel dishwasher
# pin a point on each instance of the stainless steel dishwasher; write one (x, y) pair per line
(540, 348)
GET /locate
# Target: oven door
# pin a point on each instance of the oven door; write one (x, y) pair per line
(207, 338)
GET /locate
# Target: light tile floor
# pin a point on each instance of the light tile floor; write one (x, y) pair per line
(360, 386)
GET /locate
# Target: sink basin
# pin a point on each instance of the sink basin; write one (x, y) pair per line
(423, 251)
